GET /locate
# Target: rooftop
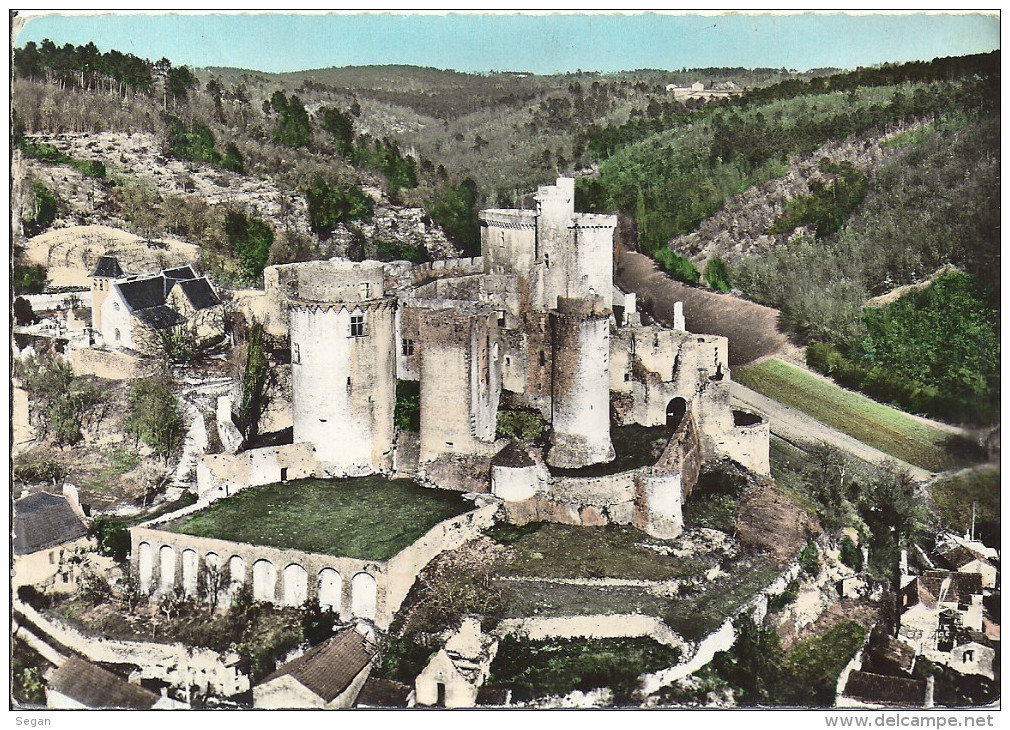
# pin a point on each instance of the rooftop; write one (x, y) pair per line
(370, 518)
(328, 669)
(97, 688)
(45, 520)
(107, 267)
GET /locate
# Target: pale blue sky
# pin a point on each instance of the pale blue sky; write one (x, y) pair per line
(537, 43)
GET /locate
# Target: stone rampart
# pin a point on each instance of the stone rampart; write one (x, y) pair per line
(445, 268)
(221, 475)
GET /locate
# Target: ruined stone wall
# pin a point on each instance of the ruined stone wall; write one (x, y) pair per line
(344, 383)
(608, 626)
(683, 454)
(221, 475)
(460, 381)
(408, 342)
(109, 364)
(178, 664)
(402, 570)
(747, 443)
(441, 268)
(580, 333)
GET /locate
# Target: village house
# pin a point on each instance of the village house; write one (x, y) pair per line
(131, 312)
(328, 676)
(456, 673)
(80, 685)
(50, 541)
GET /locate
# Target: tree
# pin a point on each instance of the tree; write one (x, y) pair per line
(340, 127)
(454, 207)
(250, 240)
(255, 380)
(155, 417)
(331, 206)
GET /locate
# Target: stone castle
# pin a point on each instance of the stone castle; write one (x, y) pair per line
(536, 324)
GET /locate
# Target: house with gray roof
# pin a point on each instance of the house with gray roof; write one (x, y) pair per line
(50, 535)
(80, 685)
(130, 311)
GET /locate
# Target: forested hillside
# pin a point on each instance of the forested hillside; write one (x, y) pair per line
(810, 193)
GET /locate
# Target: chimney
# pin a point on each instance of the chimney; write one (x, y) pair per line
(904, 561)
(678, 317)
(72, 497)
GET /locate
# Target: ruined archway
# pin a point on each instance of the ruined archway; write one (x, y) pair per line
(330, 587)
(363, 596)
(167, 567)
(190, 570)
(145, 566)
(236, 574)
(264, 580)
(296, 585)
(675, 411)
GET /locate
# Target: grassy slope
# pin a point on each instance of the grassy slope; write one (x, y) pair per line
(856, 415)
(565, 551)
(369, 518)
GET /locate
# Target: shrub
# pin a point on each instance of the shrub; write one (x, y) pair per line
(783, 599)
(155, 417)
(407, 414)
(33, 467)
(850, 555)
(678, 267)
(29, 279)
(45, 208)
(520, 425)
(810, 559)
(113, 538)
(329, 206)
(716, 275)
(250, 240)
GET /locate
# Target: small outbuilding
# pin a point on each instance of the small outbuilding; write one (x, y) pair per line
(328, 676)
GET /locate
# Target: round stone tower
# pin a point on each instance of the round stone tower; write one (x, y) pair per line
(580, 384)
(343, 366)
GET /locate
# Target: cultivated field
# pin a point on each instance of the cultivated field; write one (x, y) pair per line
(876, 425)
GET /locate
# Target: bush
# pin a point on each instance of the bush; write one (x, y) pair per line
(402, 659)
(850, 555)
(45, 208)
(33, 467)
(785, 598)
(810, 559)
(407, 414)
(520, 425)
(29, 279)
(678, 267)
(250, 240)
(716, 275)
(155, 417)
(331, 206)
(113, 538)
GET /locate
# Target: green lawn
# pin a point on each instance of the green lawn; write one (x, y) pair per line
(557, 666)
(953, 498)
(864, 419)
(371, 518)
(567, 551)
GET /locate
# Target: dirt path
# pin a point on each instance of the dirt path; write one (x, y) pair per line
(794, 426)
(752, 329)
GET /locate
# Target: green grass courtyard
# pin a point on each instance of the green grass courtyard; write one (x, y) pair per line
(370, 518)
